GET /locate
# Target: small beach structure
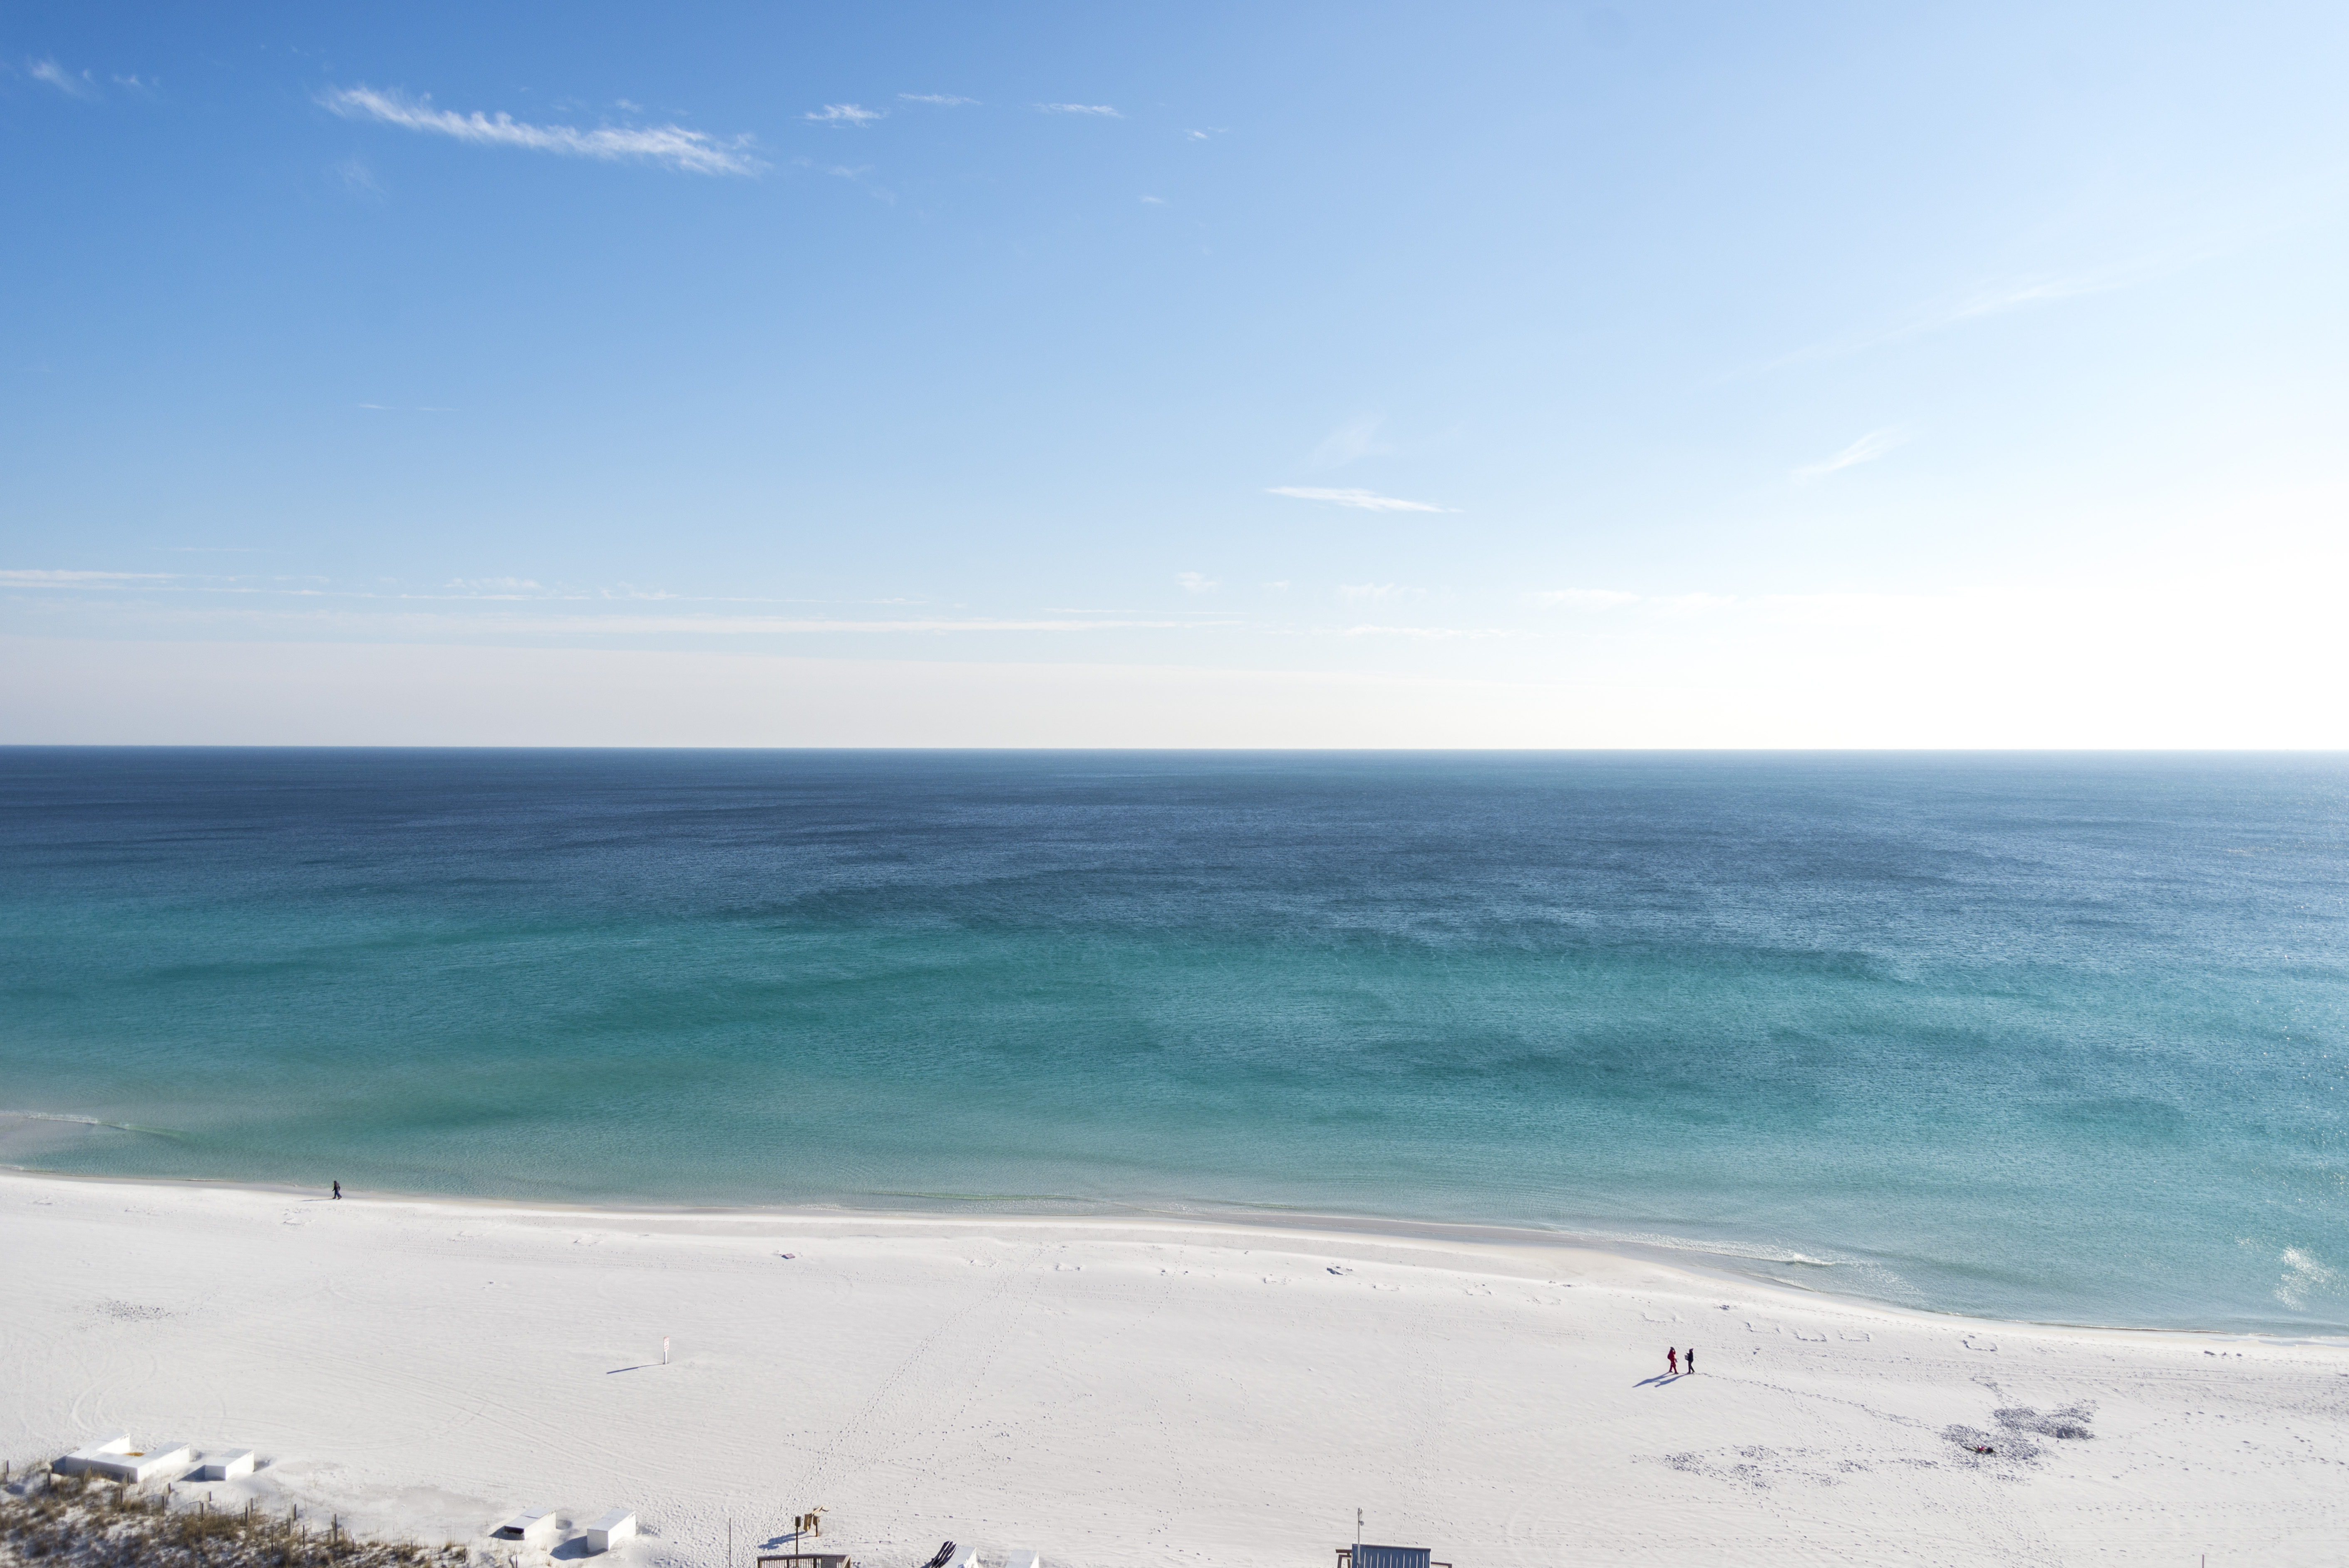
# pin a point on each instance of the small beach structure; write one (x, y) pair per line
(116, 1459)
(1388, 1557)
(536, 1527)
(1022, 1557)
(608, 1532)
(226, 1465)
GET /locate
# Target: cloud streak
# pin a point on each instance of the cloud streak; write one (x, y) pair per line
(849, 114)
(64, 80)
(1424, 633)
(670, 146)
(1583, 599)
(1360, 500)
(28, 579)
(1866, 449)
(943, 100)
(1356, 438)
(1596, 601)
(757, 626)
(1102, 109)
(1976, 304)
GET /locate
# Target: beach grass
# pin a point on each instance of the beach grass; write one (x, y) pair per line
(82, 1520)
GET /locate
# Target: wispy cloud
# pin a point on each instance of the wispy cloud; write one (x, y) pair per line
(944, 100)
(1978, 303)
(358, 179)
(854, 174)
(1594, 601)
(64, 80)
(1866, 449)
(1104, 110)
(1582, 598)
(27, 578)
(1356, 438)
(1197, 582)
(1153, 201)
(1367, 593)
(1997, 299)
(764, 625)
(1361, 500)
(849, 114)
(692, 152)
(1425, 633)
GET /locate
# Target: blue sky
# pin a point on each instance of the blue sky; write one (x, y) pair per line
(1373, 375)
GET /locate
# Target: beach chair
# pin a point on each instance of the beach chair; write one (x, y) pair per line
(1388, 1557)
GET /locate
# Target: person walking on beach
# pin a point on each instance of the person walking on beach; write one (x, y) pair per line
(1671, 1362)
(338, 1192)
(1689, 1360)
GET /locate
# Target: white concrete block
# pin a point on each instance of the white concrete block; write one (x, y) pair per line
(116, 1459)
(226, 1464)
(78, 1462)
(1021, 1557)
(535, 1527)
(610, 1530)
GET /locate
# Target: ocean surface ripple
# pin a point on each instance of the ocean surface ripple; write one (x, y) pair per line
(2034, 1036)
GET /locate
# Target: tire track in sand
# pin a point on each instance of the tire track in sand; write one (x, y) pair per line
(846, 1440)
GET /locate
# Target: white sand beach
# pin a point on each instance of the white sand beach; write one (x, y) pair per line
(1124, 1392)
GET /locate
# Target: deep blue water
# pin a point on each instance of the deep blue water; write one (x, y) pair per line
(2055, 1037)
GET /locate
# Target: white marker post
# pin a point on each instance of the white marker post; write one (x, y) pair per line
(664, 1350)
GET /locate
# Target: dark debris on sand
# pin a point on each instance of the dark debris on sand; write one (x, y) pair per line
(2018, 1425)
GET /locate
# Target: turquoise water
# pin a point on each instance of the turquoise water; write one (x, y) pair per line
(2053, 1037)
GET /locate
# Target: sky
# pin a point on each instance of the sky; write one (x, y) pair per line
(1546, 375)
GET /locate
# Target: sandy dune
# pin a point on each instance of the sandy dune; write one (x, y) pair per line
(1122, 1393)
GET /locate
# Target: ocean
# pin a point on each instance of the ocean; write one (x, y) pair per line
(2038, 1036)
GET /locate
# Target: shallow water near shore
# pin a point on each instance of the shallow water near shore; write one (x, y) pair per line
(2039, 1038)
